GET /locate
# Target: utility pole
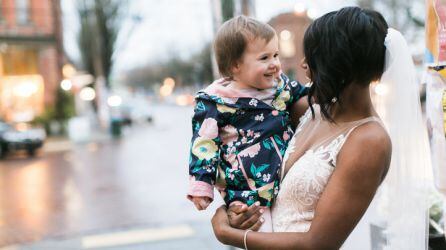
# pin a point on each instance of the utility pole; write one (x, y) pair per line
(245, 7)
(216, 22)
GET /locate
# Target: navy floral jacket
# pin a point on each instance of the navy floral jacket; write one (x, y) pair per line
(239, 141)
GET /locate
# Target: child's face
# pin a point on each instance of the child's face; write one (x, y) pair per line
(259, 66)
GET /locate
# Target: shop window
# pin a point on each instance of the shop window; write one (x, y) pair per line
(21, 61)
(21, 87)
(21, 97)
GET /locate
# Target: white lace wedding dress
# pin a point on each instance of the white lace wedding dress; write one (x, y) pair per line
(303, 184)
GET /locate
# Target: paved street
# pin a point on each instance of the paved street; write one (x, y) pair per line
(112, 194)
(71, 192)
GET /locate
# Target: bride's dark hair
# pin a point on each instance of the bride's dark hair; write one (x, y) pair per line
(341, 48)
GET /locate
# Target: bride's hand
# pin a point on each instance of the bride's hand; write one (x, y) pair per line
(244, 217)
(220, 223)
(220, 220)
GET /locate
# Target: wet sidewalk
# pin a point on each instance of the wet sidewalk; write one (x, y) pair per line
(132, 189)
(197, 236)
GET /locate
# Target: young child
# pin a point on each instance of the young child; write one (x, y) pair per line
(241, 125)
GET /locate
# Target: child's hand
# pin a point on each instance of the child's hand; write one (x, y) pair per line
(244, 217)
(201, 202)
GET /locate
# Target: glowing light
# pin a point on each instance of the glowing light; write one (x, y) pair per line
(165, 90)
(34, 192)
(299, 8)
(184, 100)
(285, 35)
(313, 13)
(66, 84)
(68, 71)
(286, 44)
(381, 89)
(25, 89)
(114, 101)
(87, 94)
(81, 80)
(170, 82)
(21, 97)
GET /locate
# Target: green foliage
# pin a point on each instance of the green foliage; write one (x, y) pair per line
(45, 118)
(65, 107)
(63, 110)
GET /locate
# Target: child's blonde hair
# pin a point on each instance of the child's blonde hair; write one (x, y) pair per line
(232, 38)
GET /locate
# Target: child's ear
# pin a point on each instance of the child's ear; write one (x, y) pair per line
(235, 68)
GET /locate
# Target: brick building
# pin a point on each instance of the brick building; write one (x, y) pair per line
(290, 28)
(31, 57)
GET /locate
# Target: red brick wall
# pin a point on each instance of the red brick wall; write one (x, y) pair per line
(48, 68)
(41, 24)
(296, 24)
(40, 15)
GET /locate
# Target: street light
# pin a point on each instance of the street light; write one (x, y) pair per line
(68, 70)
(287, 47)
(165, 90)
(114, 101)
(66, 84)
(169, 82)
(299, 8)
(313, 13)
(87, 94)
(285, 35)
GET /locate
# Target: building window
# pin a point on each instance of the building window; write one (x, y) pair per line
(22, 11)
(21, 87)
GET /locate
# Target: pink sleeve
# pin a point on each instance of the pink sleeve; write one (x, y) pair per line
(200, 188)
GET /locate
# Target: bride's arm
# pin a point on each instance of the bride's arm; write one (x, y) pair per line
(361, 166)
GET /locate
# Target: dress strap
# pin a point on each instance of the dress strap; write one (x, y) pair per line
(340, 140)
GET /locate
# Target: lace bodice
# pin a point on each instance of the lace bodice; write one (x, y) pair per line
(306, 179)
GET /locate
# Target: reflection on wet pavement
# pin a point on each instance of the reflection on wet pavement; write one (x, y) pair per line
(138, 180)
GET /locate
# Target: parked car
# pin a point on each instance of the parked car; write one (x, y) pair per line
(20, 136)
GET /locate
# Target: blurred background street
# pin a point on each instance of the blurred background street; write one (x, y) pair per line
(103, 186)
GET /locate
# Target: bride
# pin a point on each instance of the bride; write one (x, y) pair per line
(341, 151)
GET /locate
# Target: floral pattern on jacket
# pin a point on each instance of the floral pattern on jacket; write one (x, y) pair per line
(238, 144)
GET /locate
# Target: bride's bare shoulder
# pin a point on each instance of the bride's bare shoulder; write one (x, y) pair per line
(371, 132)
(367, 148)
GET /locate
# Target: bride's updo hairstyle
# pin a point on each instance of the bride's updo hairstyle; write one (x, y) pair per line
(341, 48)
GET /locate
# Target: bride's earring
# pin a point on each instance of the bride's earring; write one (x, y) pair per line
(334, 100)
